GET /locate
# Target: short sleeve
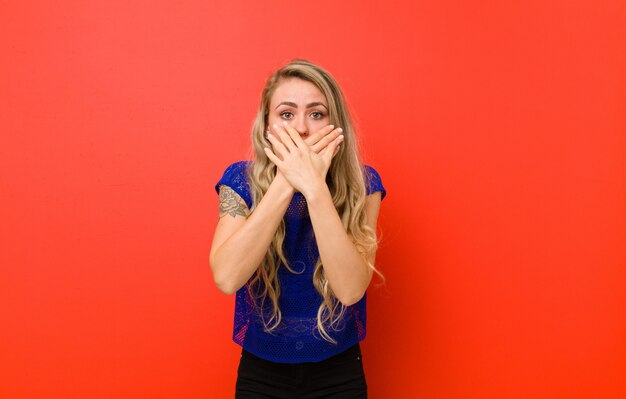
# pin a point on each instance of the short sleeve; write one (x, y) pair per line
(374, 182)
(236, 178)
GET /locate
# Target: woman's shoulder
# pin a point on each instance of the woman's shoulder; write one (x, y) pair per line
(235, 177)
(371, 171)
(373, 181)
(238, 166)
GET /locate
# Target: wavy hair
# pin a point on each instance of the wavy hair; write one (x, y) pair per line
(346, 181)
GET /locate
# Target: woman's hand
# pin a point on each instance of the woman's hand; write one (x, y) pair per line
(304, 164)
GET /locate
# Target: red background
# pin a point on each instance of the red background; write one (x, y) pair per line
(498, 128)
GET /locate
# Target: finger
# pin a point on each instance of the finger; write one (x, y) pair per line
(278, 146)
(332, 149)
(320, 134)
(337, 149)
(326, 140)
(271, 156)
(295, 137)
(272, 130)
(285, 138)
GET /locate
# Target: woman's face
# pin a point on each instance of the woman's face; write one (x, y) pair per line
(301, 104)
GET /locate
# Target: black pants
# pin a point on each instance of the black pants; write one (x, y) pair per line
(339, 377)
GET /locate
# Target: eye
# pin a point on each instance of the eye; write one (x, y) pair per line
(286, 115)
(317, 115)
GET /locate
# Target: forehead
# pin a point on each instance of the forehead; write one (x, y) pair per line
(298, 91)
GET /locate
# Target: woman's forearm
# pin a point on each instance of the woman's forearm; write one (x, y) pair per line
(347, 271)
(239, 256)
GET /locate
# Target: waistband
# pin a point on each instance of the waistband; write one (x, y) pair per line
(353, 351)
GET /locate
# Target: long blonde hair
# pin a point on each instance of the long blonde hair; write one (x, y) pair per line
(345, 179)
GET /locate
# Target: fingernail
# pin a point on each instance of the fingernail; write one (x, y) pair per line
(340, 130)
(332, 127)
(284, 123)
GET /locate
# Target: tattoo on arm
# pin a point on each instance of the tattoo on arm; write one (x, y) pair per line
(231, 203)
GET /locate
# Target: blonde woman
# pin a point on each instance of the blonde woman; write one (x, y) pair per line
(296, 241)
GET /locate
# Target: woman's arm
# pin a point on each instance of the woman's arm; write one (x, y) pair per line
(347, 272)
(242, 238)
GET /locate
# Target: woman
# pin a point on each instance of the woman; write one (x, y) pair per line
(296, 240)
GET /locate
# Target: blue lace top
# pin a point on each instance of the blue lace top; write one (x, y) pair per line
(296, 339)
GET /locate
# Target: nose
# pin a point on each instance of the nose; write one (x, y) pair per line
(300, 125)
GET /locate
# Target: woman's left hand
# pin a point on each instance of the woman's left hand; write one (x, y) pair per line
(304, 169)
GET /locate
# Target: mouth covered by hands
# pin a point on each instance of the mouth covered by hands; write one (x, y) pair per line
(303, 162)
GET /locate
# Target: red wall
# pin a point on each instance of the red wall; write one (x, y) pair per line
(498, 128)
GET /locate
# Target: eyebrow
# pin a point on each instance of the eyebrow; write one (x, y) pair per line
(310, 105)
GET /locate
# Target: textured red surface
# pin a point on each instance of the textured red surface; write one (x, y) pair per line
(498, 128)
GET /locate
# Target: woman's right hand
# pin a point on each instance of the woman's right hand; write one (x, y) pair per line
(320, 139)
(318, 142)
